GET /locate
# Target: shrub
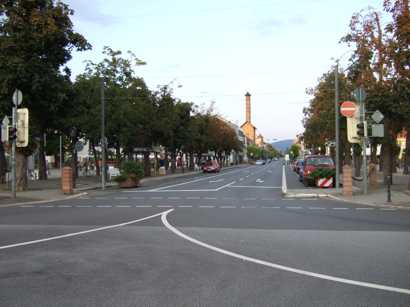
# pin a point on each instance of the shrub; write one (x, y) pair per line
(120, 178)
(323, 173)
(132, 169)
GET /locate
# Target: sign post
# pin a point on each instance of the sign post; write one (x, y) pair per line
(17, 99)
(360, 95)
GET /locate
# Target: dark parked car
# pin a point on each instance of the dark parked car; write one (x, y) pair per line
(311, 163)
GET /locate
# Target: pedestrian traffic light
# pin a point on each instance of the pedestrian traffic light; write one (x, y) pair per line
(12, 134)
(361, 129)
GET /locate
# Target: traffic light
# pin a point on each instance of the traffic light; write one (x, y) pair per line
(12, 134)
(360, 129)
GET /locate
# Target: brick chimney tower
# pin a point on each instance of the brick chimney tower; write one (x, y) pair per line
(248, 107)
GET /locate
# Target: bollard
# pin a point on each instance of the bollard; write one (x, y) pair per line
(67, 180)
(389, 189)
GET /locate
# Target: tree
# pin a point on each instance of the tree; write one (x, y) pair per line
(36, 40)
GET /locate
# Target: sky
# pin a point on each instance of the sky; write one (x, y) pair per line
(217, 50)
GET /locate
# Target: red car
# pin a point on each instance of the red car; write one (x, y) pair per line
(211, 166)
(313, 162)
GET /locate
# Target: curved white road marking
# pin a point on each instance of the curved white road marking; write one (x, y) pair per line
(278, 266)
(73, 234)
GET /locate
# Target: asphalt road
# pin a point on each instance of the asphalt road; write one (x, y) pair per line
(206, 240)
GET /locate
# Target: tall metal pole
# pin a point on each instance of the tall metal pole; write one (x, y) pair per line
(13, 152)
(61, 156)
(102, 136)
(337, 126)
(364, 143)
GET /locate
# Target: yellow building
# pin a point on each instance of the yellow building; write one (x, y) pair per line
(248, 129)
(260, 142)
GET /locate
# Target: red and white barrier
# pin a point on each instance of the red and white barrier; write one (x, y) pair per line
(325, 182)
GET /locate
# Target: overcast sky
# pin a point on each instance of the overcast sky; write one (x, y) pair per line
(220, 49)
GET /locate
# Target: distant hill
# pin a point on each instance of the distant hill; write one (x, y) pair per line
(282, 145)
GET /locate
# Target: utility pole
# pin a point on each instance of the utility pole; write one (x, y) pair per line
(13, 152)
(364, 142)
(61, 155)
(102, 136)
(337, 162)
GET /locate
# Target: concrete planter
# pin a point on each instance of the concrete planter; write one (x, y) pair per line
(129, 183)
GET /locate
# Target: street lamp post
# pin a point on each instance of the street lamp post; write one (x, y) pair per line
(337, 128)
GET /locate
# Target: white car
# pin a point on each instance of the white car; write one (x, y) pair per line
(112, 172)
(260, 162)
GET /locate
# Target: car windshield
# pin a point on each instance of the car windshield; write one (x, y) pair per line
(319, 161)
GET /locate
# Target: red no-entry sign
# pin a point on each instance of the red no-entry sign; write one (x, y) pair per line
(348, 108)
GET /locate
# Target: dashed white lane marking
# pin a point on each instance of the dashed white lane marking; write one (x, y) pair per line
(184, 206)
(103, 206)
(227, 207)
(73, 234)
(157, 197)
(165, 206)
(267, 199)
(64, 206)
(26, 206)
(388, 209)
(210, 198)
(340, 208)
(121, 197)
(100, 197)
(143, 206)
(364, 208)
(250, 198)
(193, 197)
(138, 197)
(279, 266)
(248, 207)
(123, 206)
(317, 208)
(225, 186)
(240, 179)
(47, 206)
(83, 206)
(206, 206)
(174, 197)
(228, 198)
(269, 207)
(293, 207)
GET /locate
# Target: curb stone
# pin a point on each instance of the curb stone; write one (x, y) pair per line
(367, 204)
(44, 201)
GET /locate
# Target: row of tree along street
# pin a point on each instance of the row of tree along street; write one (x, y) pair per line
(36, 41)
(380, 63)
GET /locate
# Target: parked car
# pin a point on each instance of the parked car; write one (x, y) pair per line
(260, 162)
(311, 163)
(211, 166)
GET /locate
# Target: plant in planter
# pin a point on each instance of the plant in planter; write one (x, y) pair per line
(131, 173)
(324, 177)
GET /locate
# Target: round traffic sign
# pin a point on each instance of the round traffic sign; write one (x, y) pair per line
(17, 97)
(348, 108)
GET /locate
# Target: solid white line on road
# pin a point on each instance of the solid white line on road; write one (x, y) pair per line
(364, 208)
(81, 232)
(192, 181)
(279, 266)
(224, 186)
(185, 206)
(196, 190)
(254, 187)
(206, 206)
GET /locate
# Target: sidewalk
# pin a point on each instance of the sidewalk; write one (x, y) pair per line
(400, 196)
(41, 191)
